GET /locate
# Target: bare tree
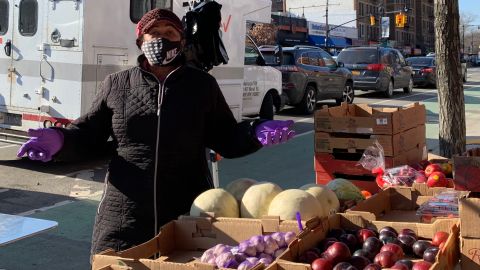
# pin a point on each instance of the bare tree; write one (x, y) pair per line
(452, 129)
(263, 33)
(468, 32)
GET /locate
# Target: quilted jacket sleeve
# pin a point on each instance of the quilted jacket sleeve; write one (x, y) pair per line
(88, 134)
(224, 135)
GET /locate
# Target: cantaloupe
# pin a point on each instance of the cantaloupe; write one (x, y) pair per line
(257, 198)
(287, 203)
(238, 187)
(327, 198)
(217, 201)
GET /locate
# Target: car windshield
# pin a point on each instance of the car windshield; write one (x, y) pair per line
(420, 61)
(368, 56)
(288, 58)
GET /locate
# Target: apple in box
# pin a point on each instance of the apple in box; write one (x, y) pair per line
(437, 179)
(432, 168)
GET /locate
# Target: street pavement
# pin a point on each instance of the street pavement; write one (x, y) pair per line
(69, 193)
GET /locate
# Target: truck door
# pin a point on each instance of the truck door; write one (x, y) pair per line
(254, 82)
(6, 24)
(26, 54)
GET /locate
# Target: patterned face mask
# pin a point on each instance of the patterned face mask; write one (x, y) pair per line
(161, 51)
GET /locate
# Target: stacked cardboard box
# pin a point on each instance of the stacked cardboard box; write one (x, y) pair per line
(469, 231)
(343, 133)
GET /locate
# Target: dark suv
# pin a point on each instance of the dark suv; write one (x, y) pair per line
(310, 74)
(377, 68)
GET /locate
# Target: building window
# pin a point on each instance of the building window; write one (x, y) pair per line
(4, 8)
(140, 7)
(28, 18)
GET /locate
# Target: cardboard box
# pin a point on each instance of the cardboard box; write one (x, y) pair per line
(181, 241)
(446, 259)
(470, 253)
(347, 164)
(397, 207)
(469, 207)
(363, 119)
(393, 145)
(466, 171)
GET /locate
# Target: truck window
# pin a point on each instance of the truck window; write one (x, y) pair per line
(28, 18)
(3, 16)
(140, 7)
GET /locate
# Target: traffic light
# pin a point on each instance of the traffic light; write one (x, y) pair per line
(400, 20)
(372, 20)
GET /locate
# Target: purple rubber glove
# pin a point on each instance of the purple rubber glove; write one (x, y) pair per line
(43, 144)
(274, 132)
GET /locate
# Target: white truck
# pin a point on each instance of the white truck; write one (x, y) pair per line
(55, 53)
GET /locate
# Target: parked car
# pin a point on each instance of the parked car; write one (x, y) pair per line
(310, 74)
(377, 68)
(463, 63)
(424, 70)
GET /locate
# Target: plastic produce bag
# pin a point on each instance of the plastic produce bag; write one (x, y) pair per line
(444, 204)
(373, 160)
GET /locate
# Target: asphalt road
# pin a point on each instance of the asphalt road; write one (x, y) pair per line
(69, 193)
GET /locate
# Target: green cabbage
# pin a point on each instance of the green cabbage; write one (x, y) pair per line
(345, 190)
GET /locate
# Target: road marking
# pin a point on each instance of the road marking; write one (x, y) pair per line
(404, 97)
(42, 209)
(7, 146)
(4, 190)
(304, 120)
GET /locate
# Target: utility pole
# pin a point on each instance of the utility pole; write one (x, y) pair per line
(327, 29)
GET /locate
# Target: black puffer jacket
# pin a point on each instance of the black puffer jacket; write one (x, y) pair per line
(194, 115)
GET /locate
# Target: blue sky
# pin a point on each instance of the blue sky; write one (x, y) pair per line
(471, 7)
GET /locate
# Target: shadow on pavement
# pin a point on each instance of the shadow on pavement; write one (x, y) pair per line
(16, 201)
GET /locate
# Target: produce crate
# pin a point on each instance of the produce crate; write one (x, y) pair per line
(469, 215)
(467, 170)
(181, 241)
(312, 236)
(470, 253)
(393, 145)
(363, 119)
(397, 206)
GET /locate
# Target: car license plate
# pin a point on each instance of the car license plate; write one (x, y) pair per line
(356, 72)
(10, 119)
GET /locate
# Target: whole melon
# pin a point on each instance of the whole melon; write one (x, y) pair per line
(345, 190)
(288, 202)
(327, 198)
(217, 201)
(257, 198)
(238, 187)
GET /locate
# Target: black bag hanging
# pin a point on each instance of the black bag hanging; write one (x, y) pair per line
(204, 46)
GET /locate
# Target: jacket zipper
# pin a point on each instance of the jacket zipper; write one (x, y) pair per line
(160, 102)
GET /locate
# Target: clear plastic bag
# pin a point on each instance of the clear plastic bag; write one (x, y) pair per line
(373, 160)
(444, 204)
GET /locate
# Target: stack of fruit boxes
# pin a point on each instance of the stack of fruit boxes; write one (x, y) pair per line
(342, 134)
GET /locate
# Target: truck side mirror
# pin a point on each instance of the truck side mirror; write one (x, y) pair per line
(260, 61)
(340, 64)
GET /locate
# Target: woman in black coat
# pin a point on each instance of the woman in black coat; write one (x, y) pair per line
(162, 115)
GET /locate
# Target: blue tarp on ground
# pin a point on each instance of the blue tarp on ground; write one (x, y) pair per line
(337, 42)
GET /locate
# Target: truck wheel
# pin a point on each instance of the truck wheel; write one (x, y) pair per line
(409, 88)
(268, 109)
(348, 94)
(389, 90)
(309, 101)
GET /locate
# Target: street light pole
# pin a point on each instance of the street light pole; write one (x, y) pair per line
(327, 31)
(463, 38)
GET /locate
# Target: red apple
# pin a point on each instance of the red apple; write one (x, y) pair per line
(432, 168)
(420, 177)
(421, 265)
(400, 266)
(322, 264)
(439, 237)
(363, 234)
(385, 259)
(437, 179)
(337, 252)
(395, 249)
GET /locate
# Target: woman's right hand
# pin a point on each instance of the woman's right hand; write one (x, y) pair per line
(43, 144)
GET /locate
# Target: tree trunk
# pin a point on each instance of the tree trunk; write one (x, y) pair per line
(452, 135)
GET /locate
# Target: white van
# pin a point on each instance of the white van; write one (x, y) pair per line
(55, 54)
